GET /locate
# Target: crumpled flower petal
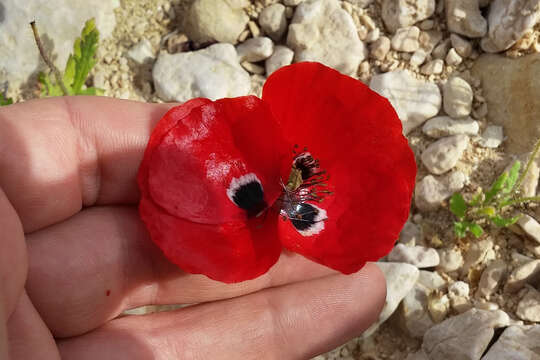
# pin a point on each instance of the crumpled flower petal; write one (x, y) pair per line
(193, 155)
(357, 136)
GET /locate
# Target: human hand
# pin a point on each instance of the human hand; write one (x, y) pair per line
(74, 255)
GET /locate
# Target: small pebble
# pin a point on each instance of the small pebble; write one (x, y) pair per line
(530, 226)
(441, 126)
(528, 273)
(453, 58)
(380, 48)
(450, 260)
(282, 56)
(255, 49)
(433, 67)
(406, 39)
(419, 256)
(528, 308)
(273, 21)
(443, 154)
(457, 97)
(491, 278)
(492, 137)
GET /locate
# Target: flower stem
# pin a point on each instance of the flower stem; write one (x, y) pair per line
(521, 200)
(528, 167)
(47, 60)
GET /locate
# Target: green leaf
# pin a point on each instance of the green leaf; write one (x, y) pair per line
(504, 222)
(496, 187)
(476, 229)
(91, 91)
(458, 206)
(49, 87)
(84, 51)
(69, 73)
(5, 101)
(460, 229)
(488, 210)
(512, 177)
(78, 66)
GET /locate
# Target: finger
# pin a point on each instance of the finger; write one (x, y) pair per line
(60, 154)
(13, 257)
(28, 337)
(101, 262)
(295, 321)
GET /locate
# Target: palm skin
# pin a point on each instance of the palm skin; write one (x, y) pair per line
(75, 255)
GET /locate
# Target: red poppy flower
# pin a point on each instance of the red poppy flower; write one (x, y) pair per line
(319, 166)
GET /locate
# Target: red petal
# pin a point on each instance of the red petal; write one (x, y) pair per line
(193, 154)
(192, 165)
(229, 252)
(357, 136)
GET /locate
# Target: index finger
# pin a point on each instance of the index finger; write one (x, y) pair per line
(60, 154)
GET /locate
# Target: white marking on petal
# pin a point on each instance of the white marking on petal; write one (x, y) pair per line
(237, 183)
(318, 224)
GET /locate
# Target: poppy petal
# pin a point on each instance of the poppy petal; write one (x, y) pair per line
(205, 180)
(357, 137)
(195, 166)
(228, 252)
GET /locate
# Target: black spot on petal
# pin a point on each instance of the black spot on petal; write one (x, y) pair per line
(304, 215)
(250, 197)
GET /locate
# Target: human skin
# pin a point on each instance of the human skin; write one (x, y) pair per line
(74, 255)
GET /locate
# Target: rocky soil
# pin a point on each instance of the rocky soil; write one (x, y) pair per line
(464, 77)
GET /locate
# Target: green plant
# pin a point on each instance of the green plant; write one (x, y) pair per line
(491, 205)
(4, 100)
(78, 66)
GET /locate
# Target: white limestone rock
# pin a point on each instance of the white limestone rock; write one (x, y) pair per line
(432, 67)
(453, 58)
(479, 252)
(464, 18)
(59, 21)
(273, 21)
(516, 343)
(465, 336)
(508, 22)
(443, 154)
(450, 260)
(414, 100)
(528, 273)
(462, 46)
(457, 96)
(406, 39)
(530, 226)
(141, 52)
(441, 126)
(213, 73)
(414, 306)
(282, 56)
(400, 279)
(431, 190)
(402, 13)
(491, 278)
(411, 234)
(528, 308)
(322, 31)
(492, 137)
(210, 20)
(419, 256)
(380, 48)
(255, 49)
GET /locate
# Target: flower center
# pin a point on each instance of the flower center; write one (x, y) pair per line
(307, 182)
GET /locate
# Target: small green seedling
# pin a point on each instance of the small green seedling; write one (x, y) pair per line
(4, 100)
(78, 66)
(489, 206)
